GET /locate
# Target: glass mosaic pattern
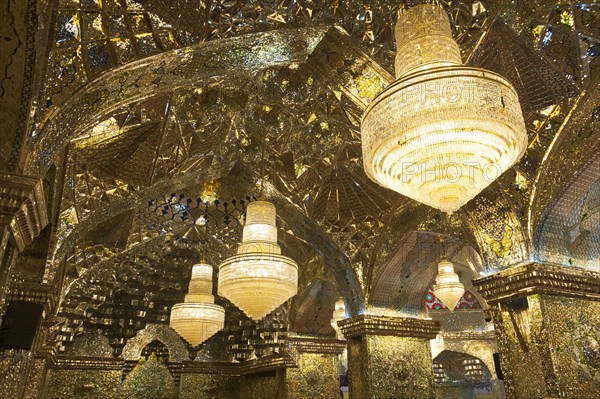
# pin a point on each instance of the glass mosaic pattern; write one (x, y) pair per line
(569, 233)
(468, 301)
(164, 108)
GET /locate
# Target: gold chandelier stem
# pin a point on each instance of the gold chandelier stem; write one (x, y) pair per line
(261, 193)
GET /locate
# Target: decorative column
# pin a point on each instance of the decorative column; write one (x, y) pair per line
(547, 321)
(317, 374)
(23, 215)
(389, 357)
(22, 207)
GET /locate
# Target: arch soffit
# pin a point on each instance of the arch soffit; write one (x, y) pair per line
(166, 71)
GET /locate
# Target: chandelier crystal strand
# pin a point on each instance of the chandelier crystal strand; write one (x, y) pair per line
(198, 318)
(442, 132)
(448, 287)
(258, 279)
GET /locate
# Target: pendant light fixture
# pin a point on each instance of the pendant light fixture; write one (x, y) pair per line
(339, 313)
(448, 287)
(198, 318)
(442, 132)
(258, 279)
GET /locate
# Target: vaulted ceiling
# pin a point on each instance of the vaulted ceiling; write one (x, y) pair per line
(163, 119)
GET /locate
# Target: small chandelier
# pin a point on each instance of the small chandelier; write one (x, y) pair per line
(258, 278)
(448, 287)
(339, 313)
(198, 318)
(442, 132)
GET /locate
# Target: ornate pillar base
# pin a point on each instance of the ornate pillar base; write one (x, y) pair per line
(547, 321)
(389, 357)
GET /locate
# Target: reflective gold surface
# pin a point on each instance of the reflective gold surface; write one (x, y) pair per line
(82, 383)
(208, 386)
(387, 366)
(141, 121)
(550, 347)
(317, 376)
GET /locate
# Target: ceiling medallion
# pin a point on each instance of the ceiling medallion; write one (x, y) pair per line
(198, 318)
(442, 132)
(258, 279)
(447, 287)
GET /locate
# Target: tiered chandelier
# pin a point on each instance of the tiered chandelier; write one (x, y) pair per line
(448, 287)
(258, 278)
(442, 132)
(198, 318)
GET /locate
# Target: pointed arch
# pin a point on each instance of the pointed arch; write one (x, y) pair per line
(178, 351)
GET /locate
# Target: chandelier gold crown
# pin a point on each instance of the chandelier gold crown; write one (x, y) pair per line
(448, 287)
(258, 278)
(442, 132)
(198, 318)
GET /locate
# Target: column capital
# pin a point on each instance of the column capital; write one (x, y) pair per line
(32, 292)
(304, 344)
(22, 207)
(389, 326)
(536, 278)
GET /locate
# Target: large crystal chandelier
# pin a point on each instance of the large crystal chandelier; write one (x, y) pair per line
(442, 132)
(258, 278)
(448, 287)
(198, 318)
